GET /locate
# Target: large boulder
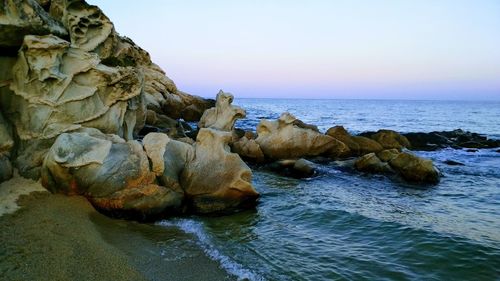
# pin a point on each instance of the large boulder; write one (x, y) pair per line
(248, 149)
(370, 163)
(358, 145)
(216, 179)
(112, 173)
(282, 139)
(390, 139)
(223, 115)
(415, 169)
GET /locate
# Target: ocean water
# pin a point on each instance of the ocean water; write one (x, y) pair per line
(343, 225)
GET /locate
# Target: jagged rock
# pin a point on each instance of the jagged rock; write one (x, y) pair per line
(59, 89)
(358, 145)
(281, 139)
(390, 139)
(388, 154)
(415, 169)
(249, 149)
(25, 17)
(216, 179)
(112, 173)
(223, 115)
(370, 163)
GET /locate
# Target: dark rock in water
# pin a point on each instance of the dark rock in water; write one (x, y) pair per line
(498, 150)
(471, 150)
(415, 169)
(455, 139)
(453, 163)
(300, 168)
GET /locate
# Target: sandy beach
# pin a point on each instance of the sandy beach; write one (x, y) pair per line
(56, 237)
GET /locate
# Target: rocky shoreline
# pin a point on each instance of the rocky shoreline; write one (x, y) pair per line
(86, 111)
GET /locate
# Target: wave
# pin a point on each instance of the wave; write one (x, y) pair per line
(203, 240)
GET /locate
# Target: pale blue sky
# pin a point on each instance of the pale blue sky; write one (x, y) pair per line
(408, 49)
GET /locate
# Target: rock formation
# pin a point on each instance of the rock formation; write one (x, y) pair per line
(410, 167)
(216, 179)
(112, 173)
(223, 115)
(455, 139)
(389, 139)
(283, 139)
(358, 145)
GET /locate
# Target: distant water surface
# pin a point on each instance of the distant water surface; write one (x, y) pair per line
(343, 225)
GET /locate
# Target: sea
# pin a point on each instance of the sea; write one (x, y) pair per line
(345, 225)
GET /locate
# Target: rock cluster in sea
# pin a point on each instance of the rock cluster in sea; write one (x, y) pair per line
(86, 111)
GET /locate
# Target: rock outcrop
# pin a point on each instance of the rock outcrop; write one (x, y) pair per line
(408, 166)
(358, 145)
(389, 139)
(112, 173)
(455, 139)
(248, 149)
(216, 179)
(223, 115)
(283, 139)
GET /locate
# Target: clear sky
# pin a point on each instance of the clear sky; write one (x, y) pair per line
(407, 49)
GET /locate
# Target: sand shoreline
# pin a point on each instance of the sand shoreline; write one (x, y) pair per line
(56, 237)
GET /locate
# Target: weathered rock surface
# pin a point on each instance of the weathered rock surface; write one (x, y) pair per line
(358, 145)
(112, 173)
(25, 17)
(282, 139)
(223, 115)
(216, 179)
(185, 106)
(60, 89)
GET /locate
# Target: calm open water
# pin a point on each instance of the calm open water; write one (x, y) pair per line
(342, 225)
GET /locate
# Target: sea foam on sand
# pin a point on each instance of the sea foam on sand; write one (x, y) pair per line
(11, 190)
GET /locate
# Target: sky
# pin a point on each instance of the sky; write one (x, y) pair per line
(383, 49)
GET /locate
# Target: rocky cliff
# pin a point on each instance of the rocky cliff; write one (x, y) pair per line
(75, 97)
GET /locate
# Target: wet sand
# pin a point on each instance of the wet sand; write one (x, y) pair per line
(56, 237)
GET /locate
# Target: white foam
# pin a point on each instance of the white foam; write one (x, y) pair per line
(11, 190)
(203, 240)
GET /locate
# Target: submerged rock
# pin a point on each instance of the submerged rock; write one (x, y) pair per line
(223, 115)
(283, 139)
(296, 168)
